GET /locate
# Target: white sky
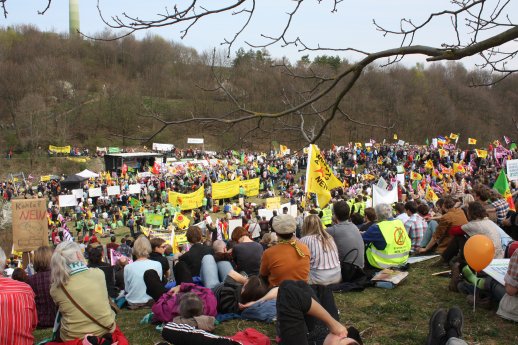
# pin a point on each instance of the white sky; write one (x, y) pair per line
(351, 26)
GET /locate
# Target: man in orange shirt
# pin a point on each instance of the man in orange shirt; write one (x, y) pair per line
(289, 259)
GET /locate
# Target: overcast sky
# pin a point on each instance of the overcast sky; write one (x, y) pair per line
(351, 26)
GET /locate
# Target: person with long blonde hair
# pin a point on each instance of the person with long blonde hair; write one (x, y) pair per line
(324, 261)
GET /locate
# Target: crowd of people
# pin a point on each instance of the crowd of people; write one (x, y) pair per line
(284, 268)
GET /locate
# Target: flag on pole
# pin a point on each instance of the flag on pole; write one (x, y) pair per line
(443, 153)
(441, 140)
(472, 141)
(454, 136)
(429, 164)
(181, 221)
(430, 195)
(507, 140)
(502, 186)
(481, 153)
(458, 168)
(395, 136)
(319, 177)
(415, 176)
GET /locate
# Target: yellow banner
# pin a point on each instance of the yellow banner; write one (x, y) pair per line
(251, 186)
(273, 203)
(78, 159)
(45, 178)
(225, 190)
(187, 201)
(59, 149)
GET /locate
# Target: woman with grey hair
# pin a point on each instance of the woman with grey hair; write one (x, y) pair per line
(80, 294)
(383, 212)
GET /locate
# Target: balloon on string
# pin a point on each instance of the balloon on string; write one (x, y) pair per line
(479, 251)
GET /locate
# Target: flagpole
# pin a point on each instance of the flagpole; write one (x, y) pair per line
(308, 163)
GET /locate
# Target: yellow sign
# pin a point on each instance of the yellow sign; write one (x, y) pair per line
(78, 159)
(273, 203)
(224, 190)
(179, 240)
(59, 149)
(181, 221)
(45, 178)
(187, 201)
(251, 186)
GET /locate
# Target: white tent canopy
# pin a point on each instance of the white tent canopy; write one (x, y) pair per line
(87, 174)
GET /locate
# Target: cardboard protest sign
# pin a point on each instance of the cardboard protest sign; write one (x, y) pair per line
(94, 192)
(78, 193)
(134, 188)
(273, 203)
(512, 169)
(67, 201)
(113, 190)
(30, 225)
(232, 224)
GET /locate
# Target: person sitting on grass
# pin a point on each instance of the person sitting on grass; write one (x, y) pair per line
(40, 284)
(191, 313)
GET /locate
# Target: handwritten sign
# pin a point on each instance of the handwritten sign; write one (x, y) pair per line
(30, 227)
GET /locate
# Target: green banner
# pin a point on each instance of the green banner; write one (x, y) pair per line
(154, 219)
(114, 150)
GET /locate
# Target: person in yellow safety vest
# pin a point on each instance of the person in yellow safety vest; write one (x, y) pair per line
(359, 205)
(327, 215)
(387, 242)
(350, 203)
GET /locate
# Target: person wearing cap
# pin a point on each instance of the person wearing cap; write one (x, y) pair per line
(289, 258)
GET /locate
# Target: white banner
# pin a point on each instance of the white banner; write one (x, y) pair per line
(512, 169)
(94, 192)
(401, 142)
(163, 147)
(67, 200)
(194, 140)
(401, 178)
(78, 193)
(382, 183)
(265, 213)
(134, 188)
(114, 190)
(383, 196)
(101, 149)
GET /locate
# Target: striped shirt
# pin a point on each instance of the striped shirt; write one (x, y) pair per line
(320, 258)
(18, 316)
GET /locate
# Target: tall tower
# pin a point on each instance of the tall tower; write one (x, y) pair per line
(73, 17)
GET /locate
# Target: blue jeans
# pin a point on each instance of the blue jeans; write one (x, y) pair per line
(213, 273)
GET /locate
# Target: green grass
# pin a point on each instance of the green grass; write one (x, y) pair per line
(399, 316)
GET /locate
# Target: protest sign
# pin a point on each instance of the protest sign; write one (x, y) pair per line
(382, 183)
(134, 188)
(114, 150)
(224, 190)
(383, 196)
(194, 140)
(154, 219)
(115, 256)
(94, 192)
(187, 201)
(67, 201)
(113, 190)
(30, 225)
(265, 213)
(78, 193)
(512, 169)
(232, 224)
(401, 178)
(497, 269)
(163, 147)
(273, 203)
(251, 186)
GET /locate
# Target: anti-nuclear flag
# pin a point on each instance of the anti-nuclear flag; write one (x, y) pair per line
(472, 141)
(481, 153)
(181, 221)
(458, 168)
(430, 195)
(429, 164)
(187, 201)
(319, 177)
(502, 186)
(415, 176)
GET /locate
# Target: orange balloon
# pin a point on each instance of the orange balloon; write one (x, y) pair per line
(479, 251)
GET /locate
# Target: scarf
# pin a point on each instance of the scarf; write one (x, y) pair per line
(77, 267)
(293, 243)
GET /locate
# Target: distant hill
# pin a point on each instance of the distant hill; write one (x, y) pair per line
(61, 91)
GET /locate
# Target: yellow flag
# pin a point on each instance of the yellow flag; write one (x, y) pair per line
(99, 229)
(443, 153)
(430, 195)
(458, 168)
(454, 136)
(395, 136)
(415, 176)
(380, 160)
(481, 153)
(181, 221)
(472, 141)
(319, 177)
(429, 164)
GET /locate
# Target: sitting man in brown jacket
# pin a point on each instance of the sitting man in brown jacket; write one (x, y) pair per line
(441, 238)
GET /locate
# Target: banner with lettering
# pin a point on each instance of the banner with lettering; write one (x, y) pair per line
(114, 150)
(273, 203)
(225, 190)
(251, 186)
(187, 201)
(59, 149)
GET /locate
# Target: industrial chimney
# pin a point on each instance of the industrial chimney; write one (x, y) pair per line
(73, 14)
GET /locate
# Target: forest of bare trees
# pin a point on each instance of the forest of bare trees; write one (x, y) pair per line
(56, 90)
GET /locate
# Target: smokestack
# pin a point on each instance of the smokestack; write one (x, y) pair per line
(73, 14)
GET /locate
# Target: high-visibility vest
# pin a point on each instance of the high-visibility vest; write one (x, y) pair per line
(327, 216)
(398, 246)
(359, 207)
